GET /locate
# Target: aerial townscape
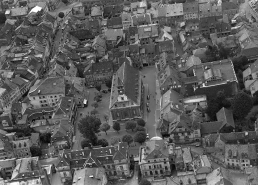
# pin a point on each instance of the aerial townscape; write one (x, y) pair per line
(128, 92)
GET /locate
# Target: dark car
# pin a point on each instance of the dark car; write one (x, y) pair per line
(148, 97)
(105, 91)
(148, 109)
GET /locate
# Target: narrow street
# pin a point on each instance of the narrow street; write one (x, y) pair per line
(150, 81)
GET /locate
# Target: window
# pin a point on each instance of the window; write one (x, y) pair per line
(122, 98)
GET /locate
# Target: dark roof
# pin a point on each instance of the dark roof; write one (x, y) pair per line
(211, 127)
(82, 34)
(113, 10)
(165, 46)
(99, 67)
(134, 48)
(226, 5)
(129, 76)
(222, 27)
(114, 21)
(5, 121)
(207, 22)
(65, 106)
(226, 116)
(133, 30)
(234, 137)
(99, 155)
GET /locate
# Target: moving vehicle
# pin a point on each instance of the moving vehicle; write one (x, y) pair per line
(148, 109)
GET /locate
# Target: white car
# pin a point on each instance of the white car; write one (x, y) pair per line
(147, 136)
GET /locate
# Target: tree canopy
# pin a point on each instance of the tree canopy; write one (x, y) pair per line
(130, 125)
(65, 1)
(114, 140)
(139, 128)
(35, 151)
(145, 182)
(214, 105)
(89, 126)
(103, 142)
(127, 138)
(95, 105)
(140, 137)
(105, 127)
(109, 83)
(2, 18)
(86, 143)
(98, 87)
(141, 122)
(241, 105)
(45, 137)
(61, 15)
(116, 126)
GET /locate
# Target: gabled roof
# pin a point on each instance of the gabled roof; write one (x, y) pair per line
(226, 116)
(50, 85)
(211, 127)
(65, 106)
(128, 77)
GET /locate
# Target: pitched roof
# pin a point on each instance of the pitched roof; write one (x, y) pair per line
(99, 155)
(226, 116)
(211, 127)
(50, 85)
(156, 149)
(129, 78)
(241, 151)
(114, 22)
(234, 137)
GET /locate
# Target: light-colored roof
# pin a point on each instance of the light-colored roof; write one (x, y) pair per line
(48, 86)
(19, 11)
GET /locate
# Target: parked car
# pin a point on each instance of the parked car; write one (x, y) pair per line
(147, 136)
(147, 104)
(91, 86)
(148, 109)
(148, 97)
(105, 91)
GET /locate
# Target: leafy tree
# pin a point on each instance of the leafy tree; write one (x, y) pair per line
(214, 105)
(109, 83)
(105, 127)
(103, 142)
(106, 117)
(140, 137)
(130, 125)
(145, 182)
(61, 15)
(98, 87)
(116, 126)
(45, 137)
(141, 122)
(224, 53)
(94, 104)
(127, 138)
(97, 98)
(2, 18)
(94, 112)
(35, 151)
(241, 105)
(88, 127)
(114, 140)
(139, 128)
(65, 1)
(86, 143)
